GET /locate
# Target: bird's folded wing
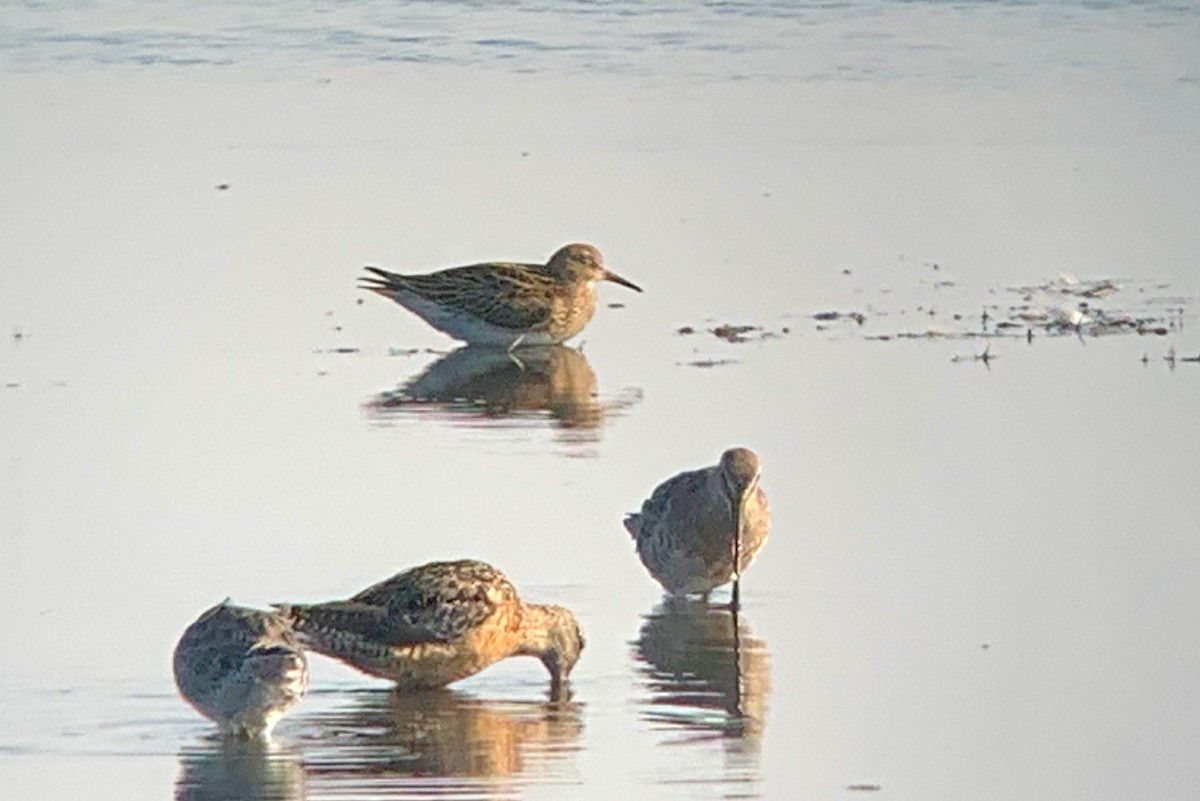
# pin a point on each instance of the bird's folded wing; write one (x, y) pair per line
(365, 620)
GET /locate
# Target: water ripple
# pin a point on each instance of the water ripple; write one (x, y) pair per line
(725, 40)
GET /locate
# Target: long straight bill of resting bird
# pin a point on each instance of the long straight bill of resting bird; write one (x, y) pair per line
(504, 304)
(241, 668)
(700, 529)
(438, 623)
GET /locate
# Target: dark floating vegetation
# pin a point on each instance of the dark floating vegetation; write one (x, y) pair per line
(734, 333)
(830, 316)
(710, 362)
(986, 357)
(943, 309)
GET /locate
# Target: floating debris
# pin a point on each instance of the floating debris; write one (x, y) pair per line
(221, 187)
(1101, 289)
(1064, 306)
(734, 333)
(830, 316)
(1067, 316)
(867, 788)
(986, 357)
(616, 305)
(343, 350)
(928, 333)
(1042, 308)
(709, 362)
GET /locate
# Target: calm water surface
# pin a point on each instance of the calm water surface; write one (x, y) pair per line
(981, 576)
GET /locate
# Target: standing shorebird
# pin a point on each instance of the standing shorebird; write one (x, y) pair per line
(438, 623)
(504, 303)
(241, 668)
(695, 527)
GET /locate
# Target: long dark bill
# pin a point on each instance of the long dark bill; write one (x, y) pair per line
(609, 275)
(734, 600)
(739, 523)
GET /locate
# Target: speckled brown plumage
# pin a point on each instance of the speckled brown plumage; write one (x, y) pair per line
(436, 624)
(685, 530)
(241, 668)
(504, 303)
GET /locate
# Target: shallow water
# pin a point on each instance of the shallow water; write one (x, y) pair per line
(980, 576)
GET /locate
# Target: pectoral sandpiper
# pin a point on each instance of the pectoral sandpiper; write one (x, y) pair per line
(504, 303)
(696, 526)
(241, 668)
(438, 623)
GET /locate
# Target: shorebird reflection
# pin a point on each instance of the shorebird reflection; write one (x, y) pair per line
(394, 740)
(704, 669)
(252, 770)
(489, 385)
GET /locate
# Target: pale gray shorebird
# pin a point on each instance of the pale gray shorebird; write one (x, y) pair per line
(435, 624)
(241, 668)
(696, 526)
(504, 303)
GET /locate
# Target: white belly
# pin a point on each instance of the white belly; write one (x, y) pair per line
(465, 327)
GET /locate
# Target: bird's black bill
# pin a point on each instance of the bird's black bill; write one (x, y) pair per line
(609, 275)
(735, 597)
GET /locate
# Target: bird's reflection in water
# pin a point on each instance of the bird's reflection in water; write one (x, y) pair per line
(229, 769)
(707, 677)
(441, 743)
(491, 385)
